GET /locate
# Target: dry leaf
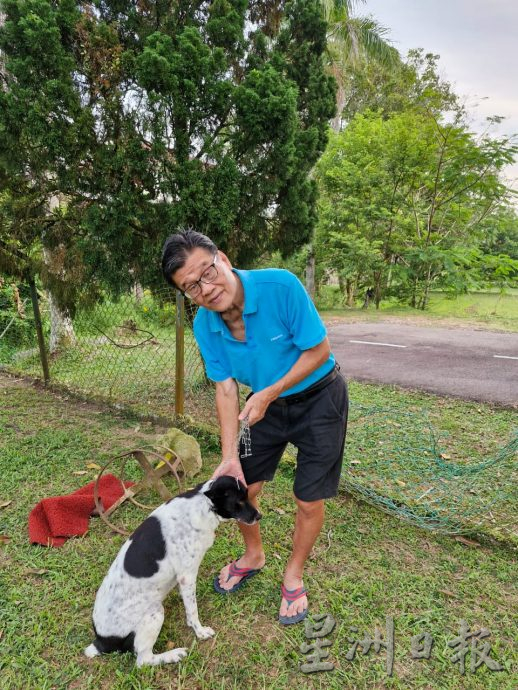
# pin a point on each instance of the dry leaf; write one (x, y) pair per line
(79, 473)
(280, 511)
(93, 466)
(445, 456)
(398, 481)
(4, 539)
(355, 462)
(35, 571)
(4, 504)
(468, 542)
(447, 592)
(169, 645)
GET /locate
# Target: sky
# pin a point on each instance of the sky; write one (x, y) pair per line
(478, 44)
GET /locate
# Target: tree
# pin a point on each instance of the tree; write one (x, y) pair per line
(141, 118)
(353, 44)
(410, 191)
(400, 86)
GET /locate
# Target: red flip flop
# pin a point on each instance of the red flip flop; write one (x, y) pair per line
(292, 595)
(235, 571)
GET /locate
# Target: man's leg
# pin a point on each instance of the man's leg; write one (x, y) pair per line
(318, 431)
(308, 523)
(254, 552)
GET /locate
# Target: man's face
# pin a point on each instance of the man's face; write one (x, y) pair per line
(218, 295)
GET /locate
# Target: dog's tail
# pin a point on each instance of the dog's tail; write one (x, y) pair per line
(91, 651)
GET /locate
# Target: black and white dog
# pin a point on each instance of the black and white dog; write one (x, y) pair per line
(166, 550)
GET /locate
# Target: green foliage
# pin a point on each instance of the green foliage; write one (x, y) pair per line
(16, 322)
(399, 86)
(407, 197)
(136, 119)
(500, 232)
(355, 43)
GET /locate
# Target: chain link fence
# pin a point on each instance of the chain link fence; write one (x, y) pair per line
(122, 351)
(18, 336)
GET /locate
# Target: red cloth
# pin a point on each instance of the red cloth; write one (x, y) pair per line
(54, 520)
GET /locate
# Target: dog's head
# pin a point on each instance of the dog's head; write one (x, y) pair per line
(230, 500)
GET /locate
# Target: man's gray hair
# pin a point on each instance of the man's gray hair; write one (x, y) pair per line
(177, 248)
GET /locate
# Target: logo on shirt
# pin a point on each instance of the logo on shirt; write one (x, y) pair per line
(276, 337)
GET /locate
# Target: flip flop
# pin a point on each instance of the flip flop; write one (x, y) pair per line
(235, 571)
(292, 595)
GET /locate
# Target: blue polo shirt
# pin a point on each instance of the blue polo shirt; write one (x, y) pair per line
(280, 323)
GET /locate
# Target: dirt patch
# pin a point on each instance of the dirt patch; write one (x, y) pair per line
(10, 381)
(421, 321)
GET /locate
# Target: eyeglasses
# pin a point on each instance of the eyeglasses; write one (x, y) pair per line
(209, 275)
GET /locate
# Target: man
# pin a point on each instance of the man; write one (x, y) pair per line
(260, 328)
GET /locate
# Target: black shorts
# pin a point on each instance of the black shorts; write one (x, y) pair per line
(316, 426)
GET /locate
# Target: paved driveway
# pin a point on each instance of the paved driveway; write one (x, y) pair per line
(469, 364)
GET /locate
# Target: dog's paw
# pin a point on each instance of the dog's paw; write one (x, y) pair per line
(204, 633)
(173, 656)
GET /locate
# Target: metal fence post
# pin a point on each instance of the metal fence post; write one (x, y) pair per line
(39, 330)
(180, 353)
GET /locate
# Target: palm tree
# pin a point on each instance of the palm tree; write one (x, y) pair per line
(352, 40)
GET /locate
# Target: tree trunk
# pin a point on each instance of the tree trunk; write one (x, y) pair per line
(138, 292)
(336, 122)
(62, 333)
(377, 289)
(343, 290)
(350, 286)
(389, 275)
(426, 291)
(413, 298)
(310, 274)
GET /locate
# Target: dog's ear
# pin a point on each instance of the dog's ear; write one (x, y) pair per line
(225, 487)
(214, 489)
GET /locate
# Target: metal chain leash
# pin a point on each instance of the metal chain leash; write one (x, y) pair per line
(245, 439)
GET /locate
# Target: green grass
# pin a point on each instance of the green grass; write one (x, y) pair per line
(366, 566)
(481, 309)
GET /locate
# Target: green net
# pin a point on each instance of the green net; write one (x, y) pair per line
(395, 462)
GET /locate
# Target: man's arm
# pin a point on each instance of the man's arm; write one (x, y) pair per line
(308, 361)
(227, 406)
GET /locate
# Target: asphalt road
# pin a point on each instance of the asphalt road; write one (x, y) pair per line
(468, 364)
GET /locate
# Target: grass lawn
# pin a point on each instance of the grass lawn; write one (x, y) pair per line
(487, 310)
(366, 566)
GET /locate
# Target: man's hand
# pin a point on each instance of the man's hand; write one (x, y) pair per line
(256, 405)
(232, 468)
